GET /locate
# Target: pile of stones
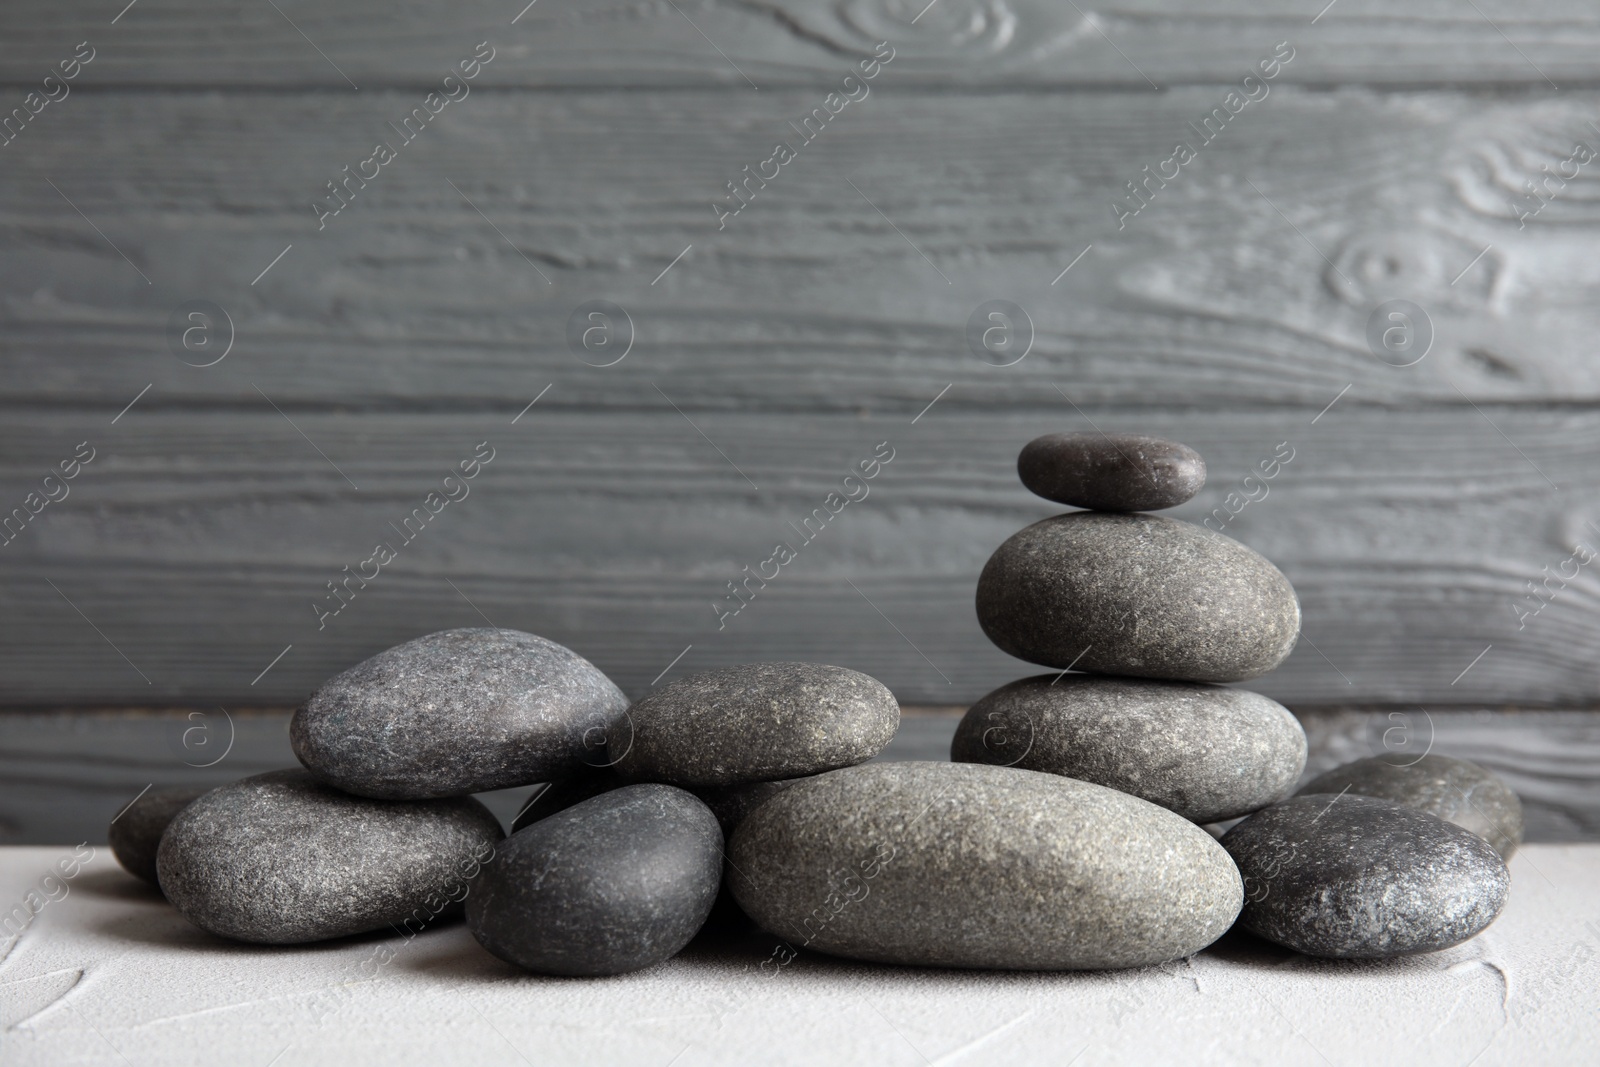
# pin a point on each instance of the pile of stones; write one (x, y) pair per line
(1067, 831)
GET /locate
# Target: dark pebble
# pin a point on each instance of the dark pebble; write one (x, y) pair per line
(616, 883)
(1357, 877)
(552, 797)
(135, 834)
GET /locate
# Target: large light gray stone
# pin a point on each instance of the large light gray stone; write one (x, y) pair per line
(1206, 752)
(964, 865)
(457, 712)
(755, 722)
(1138, 595)
(281, 858)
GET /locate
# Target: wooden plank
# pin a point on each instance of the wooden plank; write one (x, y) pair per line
(67, 772)
(198, 542)
(765, 43)
(818, 295)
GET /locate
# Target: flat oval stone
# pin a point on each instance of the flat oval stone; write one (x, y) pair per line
(457, 712)
(756, 722)
(1456, 790)
(1139, 595)
(1111, 472)
(281, 859)
(135, 833)
(1203, 751)
(619, 882)
(1357, 877)
(559, 796)
(965, 865)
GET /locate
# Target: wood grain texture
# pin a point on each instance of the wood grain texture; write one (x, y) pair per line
(197, 543)
(741, 43)
(66, 774)
(450, 279)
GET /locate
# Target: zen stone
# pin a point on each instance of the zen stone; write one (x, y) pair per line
(281, 859)
(559, 796)
(1111, 472)
(457, 712)
(1203, 751)
(756, 722)
(1138, 595)
(1362, 878)
(135, 833)
(619, 882)
(965, 865)
(1455, 790)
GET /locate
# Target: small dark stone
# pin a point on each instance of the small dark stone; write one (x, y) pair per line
(282, 859)
(966, 865)
(1139, 595)
(1204, 751)
(135, 834)
(1111, 471)
(457, 712)
(1456, 790)
(755, 722)
(1362, 878)
(616, 883)
(559, 796)
(731, 804)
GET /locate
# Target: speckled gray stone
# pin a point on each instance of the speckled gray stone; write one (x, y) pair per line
(756, 722)
(619, 882)
(731, 804)
(1362, 878)
(1203, 751)
(966, 865)
(1138, 595)
(135, 833)
(280, 858)
(1456, 790)
(457, 712)
(1111, 472)
(559, 796)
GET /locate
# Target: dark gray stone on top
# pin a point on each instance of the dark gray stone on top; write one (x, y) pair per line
(1456, 790)
(1363, 878)
(965, 865)
(1204, 751)
(457, 712)
(280, 858)
(1111, 472)
(616, 883)
(135, 833)
(1138, 595)
(755, 722)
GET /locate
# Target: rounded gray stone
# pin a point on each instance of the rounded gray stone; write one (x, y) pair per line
(1456, 790)
(135, 833)
(280, 858)
(1203, 751)
(458, 712)
(1358, 877)
(966, 865)
(1138, 595)
(756, 722)
(616, 883)
(559, 796)
(1111, 472)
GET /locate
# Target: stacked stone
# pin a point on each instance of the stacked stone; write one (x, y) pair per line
(1157, 612)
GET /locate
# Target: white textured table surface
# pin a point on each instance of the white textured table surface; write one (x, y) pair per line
(109, 974)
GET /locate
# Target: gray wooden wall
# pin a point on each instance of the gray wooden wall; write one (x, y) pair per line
(374, 354)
